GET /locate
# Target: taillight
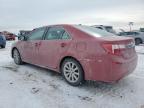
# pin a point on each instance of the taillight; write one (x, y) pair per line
(113, 48)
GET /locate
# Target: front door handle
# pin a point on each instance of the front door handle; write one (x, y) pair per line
(36, 44)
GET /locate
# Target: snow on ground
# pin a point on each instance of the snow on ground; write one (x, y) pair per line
(29, 86)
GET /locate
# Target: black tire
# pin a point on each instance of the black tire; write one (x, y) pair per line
(17, 57)
(2, 46)
(70, 74)
(138, 41)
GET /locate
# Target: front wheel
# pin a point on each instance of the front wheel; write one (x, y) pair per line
(2, 46)
(17, 57)
(72, 72)
(138, 41)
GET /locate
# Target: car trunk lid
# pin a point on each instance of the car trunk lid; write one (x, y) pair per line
(119, 46)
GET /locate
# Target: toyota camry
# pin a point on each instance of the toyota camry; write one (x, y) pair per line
(78, 52)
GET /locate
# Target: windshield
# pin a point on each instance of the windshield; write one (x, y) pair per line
(93, 31)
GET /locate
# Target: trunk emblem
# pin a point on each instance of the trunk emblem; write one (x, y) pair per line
(131, 45)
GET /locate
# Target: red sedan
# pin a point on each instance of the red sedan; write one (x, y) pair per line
(78, 52)
(10, 36)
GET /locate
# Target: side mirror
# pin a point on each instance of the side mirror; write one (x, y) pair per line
(22, 38)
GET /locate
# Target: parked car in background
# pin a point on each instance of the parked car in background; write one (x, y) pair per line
(138, 36)
(10, 36)
(78, 52)
(106, 28)
(141, 29)
(2, 41)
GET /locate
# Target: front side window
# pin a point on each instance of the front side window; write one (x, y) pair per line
(2, 37)
(128, 33)
(37, 34)
(136, 33)
(132, 33)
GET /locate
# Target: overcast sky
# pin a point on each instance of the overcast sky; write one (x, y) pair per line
(28, 14)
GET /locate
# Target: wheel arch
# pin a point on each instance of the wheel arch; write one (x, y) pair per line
(71, 57)
(139, 39)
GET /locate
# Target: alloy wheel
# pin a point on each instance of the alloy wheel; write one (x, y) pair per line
(71, 72)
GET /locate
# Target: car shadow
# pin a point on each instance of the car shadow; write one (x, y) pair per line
(43, 70)
(92, 87)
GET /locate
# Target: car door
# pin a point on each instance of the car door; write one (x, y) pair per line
(56, 43)
(32, 44)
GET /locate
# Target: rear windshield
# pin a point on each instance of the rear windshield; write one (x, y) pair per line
(93, 31)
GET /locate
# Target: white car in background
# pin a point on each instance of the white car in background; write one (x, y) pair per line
(138, 36)
(105, 28)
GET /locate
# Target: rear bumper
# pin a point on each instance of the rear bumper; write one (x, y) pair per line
(108, 70)
(121, 69)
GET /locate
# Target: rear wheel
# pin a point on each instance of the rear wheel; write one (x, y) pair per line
(138, 41)
(72, 72)
(17, 57)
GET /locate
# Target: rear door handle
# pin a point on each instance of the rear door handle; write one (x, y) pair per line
(37, 44)
(63, 44)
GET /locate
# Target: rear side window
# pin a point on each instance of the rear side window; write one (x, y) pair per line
(65, 35)
(132, 33)
(93, 31)
(56, 33)
(37, 34)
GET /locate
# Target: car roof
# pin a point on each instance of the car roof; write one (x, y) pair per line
(63, 25)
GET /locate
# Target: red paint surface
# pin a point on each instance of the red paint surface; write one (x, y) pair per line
(97, 63)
